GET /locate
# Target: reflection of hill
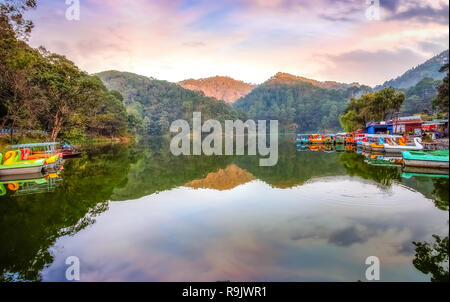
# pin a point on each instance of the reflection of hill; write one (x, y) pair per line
(156, 169)
(223, 179)
(293, 168)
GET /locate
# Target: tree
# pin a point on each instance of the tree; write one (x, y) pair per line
(12, 22)
(373, 106)
(67, 91)
(18, 92)
(441, 100)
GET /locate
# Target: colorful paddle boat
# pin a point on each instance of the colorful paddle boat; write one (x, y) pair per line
(329, 139)
(303, 138)
(378, 144)
(429, 159)
(359, 139)
(316, 139)
(340, 138)
(9, 165)
(349, 139)
(31, 152)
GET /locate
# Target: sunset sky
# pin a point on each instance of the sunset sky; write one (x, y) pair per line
(248, 40)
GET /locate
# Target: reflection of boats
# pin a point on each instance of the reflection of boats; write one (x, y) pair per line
(410, 171)
(430, 159)
(316, 148)
(340, 148)
(28, 183)
(349, 147)
(397, 147)
(383, 160)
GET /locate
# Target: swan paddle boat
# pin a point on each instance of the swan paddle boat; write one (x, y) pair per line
(393, 146)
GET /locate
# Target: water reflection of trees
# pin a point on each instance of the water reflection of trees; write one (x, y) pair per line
(356, 166)
(30, 225)
(432, 258)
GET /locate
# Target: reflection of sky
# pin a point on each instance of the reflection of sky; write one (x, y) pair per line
(256, 233)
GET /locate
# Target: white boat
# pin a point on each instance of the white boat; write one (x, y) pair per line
(393, 147)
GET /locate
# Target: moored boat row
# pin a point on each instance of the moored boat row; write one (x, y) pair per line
(33, 158)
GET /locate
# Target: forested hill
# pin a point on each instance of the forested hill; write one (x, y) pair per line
(221, 88)
(155, 104)
(429, 69)
(299, 103)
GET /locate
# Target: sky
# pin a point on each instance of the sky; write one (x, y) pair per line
(365, 41)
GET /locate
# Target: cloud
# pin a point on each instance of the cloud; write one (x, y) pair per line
(423, 14)
(246, 39)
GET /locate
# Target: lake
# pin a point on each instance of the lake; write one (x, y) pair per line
(141, 214)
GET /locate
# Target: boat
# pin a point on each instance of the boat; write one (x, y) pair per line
(68, 151)
(20, 168)
(28, 153)
(429, 159)
(316, 139)
(303, 138)
(340, 138)
(329, 139)
(398, 147)
(349, 139)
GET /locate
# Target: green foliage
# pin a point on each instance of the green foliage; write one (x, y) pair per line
(299, 105)
(40, 90)
(441, 100)
(373, 106)
(152, 104)
(418, 99)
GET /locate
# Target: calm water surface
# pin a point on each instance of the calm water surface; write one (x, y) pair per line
(141, 214)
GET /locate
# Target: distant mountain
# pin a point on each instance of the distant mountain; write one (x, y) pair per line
(299, 103)
(221, 88)
(289, 79)
(155, 104)
(429, 69)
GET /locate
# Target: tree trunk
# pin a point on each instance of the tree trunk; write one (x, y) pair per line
(56, 127)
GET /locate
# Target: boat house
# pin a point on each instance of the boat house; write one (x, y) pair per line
(408, 124)
(379, 128)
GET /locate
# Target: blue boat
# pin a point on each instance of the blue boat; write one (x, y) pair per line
(303, 138)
